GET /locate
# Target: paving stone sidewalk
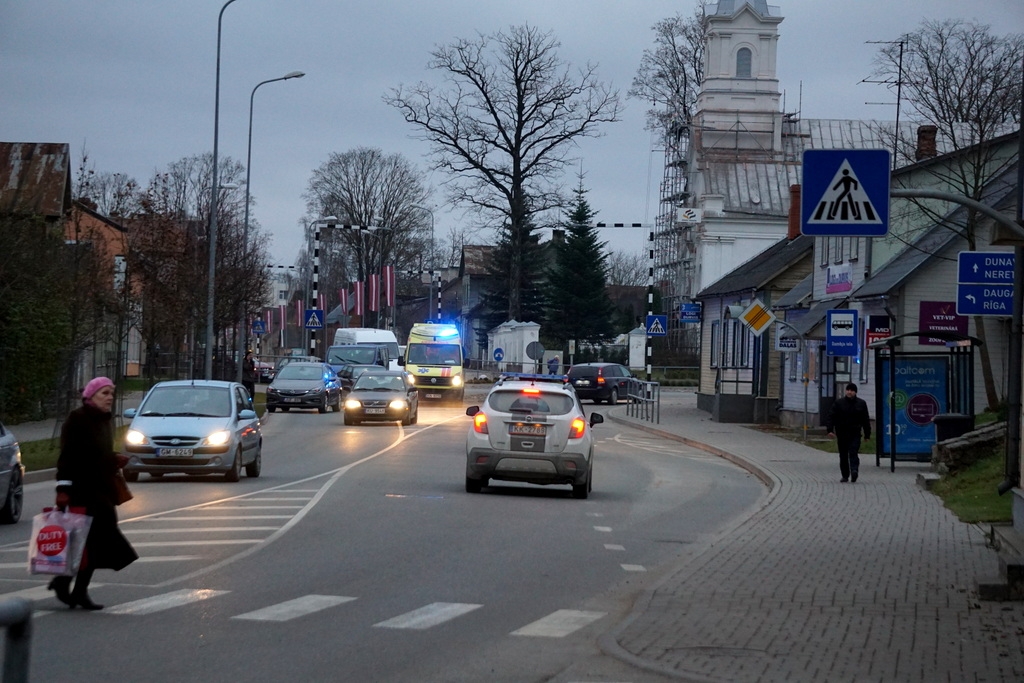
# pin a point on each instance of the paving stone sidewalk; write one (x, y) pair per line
(829, 581)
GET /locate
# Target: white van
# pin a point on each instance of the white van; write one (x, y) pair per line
(369, 335)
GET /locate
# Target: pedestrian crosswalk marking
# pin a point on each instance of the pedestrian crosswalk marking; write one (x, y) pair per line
(603, 529)
(428, 616)
(159, 603)
(844, 201)
(613, 546)
(559, 624)
(168, 544)
(201, 530)
(293, 609)
(634, 567)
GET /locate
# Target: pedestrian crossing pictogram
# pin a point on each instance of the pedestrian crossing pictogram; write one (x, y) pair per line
(314, 319)
(657, 325)
(845, 201)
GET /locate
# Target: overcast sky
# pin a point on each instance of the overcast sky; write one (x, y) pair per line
(132, 81)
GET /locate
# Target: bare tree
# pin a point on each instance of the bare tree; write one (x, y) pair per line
(503, 125)
(965, 81)
(628, 269)
(366, 187)
(670, 73)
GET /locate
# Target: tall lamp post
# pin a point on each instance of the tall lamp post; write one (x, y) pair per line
(434, 274)
(212, 233)
(243, 333)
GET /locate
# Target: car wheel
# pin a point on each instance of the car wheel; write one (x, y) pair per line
(581, 491)
(235, 473)
(285, 410)
(407, 420)
(350, 420)
(614, 397)
(252, 470)
(415, 416)
(322, 408)
(11, 511)
(271, 409)
(473, 485)
(130, 476)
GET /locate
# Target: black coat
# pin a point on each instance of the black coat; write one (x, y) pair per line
(88, 461)
(848, 417)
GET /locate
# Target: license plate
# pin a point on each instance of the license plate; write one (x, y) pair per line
(375, 411)
(292, 400)
(583, 382)
(174, 452)
(527, 430)
(433, 395)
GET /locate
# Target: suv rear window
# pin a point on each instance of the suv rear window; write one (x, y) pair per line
(518, 401)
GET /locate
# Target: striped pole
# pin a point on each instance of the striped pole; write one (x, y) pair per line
(316, 280)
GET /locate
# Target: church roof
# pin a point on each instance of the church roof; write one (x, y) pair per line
(727, 8)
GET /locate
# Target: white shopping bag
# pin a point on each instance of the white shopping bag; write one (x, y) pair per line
(57, 542)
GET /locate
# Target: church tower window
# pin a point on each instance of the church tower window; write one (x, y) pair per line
(743, 59)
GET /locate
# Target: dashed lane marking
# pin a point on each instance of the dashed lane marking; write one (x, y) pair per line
(430, 615)
(159, 603)
(293, 609)
(559, 624)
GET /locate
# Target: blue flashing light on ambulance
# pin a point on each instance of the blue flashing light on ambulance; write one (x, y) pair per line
(433, 355)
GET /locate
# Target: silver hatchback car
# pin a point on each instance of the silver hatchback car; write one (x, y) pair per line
(194, 427)
(12, 478)
(531, 428)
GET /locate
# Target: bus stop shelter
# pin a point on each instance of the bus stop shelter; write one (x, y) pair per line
(923, 396)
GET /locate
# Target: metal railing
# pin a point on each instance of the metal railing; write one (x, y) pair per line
(16, 617)
(644, 400)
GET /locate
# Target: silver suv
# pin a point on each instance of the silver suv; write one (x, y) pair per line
(531, 428)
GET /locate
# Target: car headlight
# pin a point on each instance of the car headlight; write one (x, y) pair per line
(352, 404)
(398, 404)
(316, 390)
(457, 381)
(271, 390)
(135, 437)
(218, 438)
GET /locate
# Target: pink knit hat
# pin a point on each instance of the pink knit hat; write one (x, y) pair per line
(95, 385)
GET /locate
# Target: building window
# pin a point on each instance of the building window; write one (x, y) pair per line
(743, 59)
(837, 254)
(824, 244)
(854, 248)
(715, 350)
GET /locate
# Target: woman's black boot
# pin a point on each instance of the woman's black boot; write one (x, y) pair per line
(61, 585)
(80, 595)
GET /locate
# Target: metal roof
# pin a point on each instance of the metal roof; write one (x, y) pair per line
(727, 8)
(35, 178)
(796, 297)
(475, 258)
(760, 270)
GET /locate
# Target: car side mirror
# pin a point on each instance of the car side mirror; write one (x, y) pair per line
(472, 410)
(596, 419)
(247, 414)
(131, 412)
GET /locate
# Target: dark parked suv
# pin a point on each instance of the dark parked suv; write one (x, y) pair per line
(600, 381)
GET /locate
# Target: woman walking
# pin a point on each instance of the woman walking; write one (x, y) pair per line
(86, 469)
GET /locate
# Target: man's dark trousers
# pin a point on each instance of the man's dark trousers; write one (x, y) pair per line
(849, 461)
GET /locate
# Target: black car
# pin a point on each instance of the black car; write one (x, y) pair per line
(600, 381)
(348, 374)
(304, 385)
(384, 395)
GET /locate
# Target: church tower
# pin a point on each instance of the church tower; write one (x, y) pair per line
(738, 113)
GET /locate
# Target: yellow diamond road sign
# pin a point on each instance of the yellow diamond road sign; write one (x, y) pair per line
(757, 317)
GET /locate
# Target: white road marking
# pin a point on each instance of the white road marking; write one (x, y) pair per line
(37, 592)
(168, 544)
(170, 558)
(254, 507)
(201, 530)
(159, 603)
(559, 624)
(219, 518)
(612, 546)
(293, 609)
(431, 615)
(605, 529)
(634, 567)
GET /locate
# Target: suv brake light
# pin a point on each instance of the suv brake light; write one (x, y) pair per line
(577, 428)
(480, 423)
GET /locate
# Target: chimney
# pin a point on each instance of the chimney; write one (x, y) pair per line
(925, 142)
(794, 212)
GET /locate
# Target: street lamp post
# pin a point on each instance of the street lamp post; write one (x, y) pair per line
(243, 333)
(434, 274)
(212, 233)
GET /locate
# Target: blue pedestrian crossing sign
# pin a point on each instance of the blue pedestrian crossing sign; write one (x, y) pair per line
(259, 327)
(845, 192)
(314, 318)
(657, 325)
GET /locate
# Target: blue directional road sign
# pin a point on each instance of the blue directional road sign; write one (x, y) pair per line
(841, 332)
(259, 327)
(985, 282)
(499, 354)
(690, 312)
(657, 325)
(845, 192)
(314, 318)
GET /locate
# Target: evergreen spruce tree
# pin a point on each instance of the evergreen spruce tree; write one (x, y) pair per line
(517, 267)
(578, 306)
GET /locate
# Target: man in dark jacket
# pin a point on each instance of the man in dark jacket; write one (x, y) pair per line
(849, 415)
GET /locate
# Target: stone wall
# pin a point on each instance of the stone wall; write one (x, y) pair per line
(953, 455)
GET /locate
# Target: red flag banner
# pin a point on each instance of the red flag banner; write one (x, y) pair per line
(282, 315)
(299, 310)
(343, 300)
(389, 286)
(357, 308)
(323, 302)
(374, 292)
